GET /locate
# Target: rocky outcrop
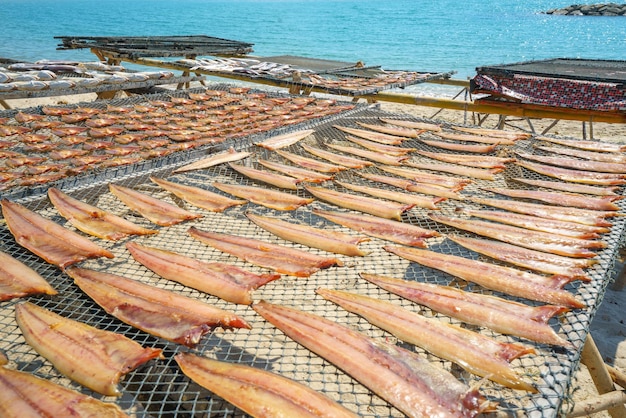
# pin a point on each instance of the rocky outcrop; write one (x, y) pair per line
(598, 9)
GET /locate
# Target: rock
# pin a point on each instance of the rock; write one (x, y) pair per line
(599, 9)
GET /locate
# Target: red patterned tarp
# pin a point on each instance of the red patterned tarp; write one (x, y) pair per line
(555, 92)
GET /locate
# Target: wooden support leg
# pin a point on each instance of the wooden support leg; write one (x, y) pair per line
(552, 125)
(4, 104)
(610, 399)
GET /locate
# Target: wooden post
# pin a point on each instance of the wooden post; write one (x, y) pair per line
(592, 358)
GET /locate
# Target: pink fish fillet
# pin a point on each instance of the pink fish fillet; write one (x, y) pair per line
(100, 366)
(156, 311)
(419, 176)
(311, 163)
(198, 197)
(571, 187)
(491, 276)
(608, 157)
(18, 280)
(479, 173)
(576, 176)
(373, 136)
(586, 145)
(231, 283)
(399, 376)
(370, 155)
(478, 354)
(528, 258)
(273, 199)
(561, 199)
(342, 160)
(258, 392)
(452, 146)
(411, 199)
(275, 179)
(301, 174)
(376, 207)
(381, 148)
(276, 257)
(577, 164)
(542, 241)
(49, 240)
(411, 186)
(391, 130)
(476, 138)
(425, 126)
(92, 220)
(499, 314)
(24, 395)
(331, 241)
(155, 210)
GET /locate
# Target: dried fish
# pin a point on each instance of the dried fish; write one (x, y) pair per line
(586, 145)
(373, 136)
(569, 187)
(18, 280)
(370, 155)
(377, 207)
(498, 314)
(575, 176)
(577, 215)
(476, 353)
(542, 241)
(375, 226)
(495, 277)
(24, 395)
(455, 183)
(301, 174)
(411, 199)
(608, 157)
(475, 138)
(62, 342)
(392, 130)
(92, 220)
(197, 196)
(412, 124)
(155, 210)
(480, 161)
(228, 282)
(343, 160)
(479, 173)
(272, 199)
(425, 188)
(331, 241)
(282, 259)
(561, 199)
(47, 239)
(258, 392)
(284, 182)
(378, 147)
(494, 132)
(284, 140)
(154, 310)
(399, 376)
(452, 146)
(214, 159)
(310, 163)
(577, 164)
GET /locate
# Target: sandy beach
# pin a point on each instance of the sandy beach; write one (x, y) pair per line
(608, 328)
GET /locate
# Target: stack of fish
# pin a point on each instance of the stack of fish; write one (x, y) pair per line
(533, 244)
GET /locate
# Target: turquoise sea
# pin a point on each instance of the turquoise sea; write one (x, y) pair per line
(422, 35)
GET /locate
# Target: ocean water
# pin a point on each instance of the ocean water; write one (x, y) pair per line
(421, 35)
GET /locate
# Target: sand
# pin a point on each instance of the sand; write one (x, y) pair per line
(608, 328)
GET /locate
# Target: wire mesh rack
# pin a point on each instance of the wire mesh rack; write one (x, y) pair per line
(159, 389)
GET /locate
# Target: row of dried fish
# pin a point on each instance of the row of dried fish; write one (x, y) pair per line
(39, 149)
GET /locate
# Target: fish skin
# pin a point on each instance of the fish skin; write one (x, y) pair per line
(331, 241)
(411, 186)
(608, 157)
(479, 173)
(282, 259)
(376, 207)
(272, 199)
(602, 146)
(577, 215)
(542, 241)
(455, 183)
(47, 239)
(301, 174)
(156, 311)
(258, 392)
(476, 353)
(501, 315)
(92, 220)
(18, 280)
(155, 210)
(375, 226)
(284, 140)
(480, 149)
(370, 155)
(560, 199)
(400, 377)
(410, 199)
(475, 138)
(491, 276)
(92, 357)
(494, 132)
(23, 395)
(528, 258)
(343, 160)
(225, 281)
(278, 180)
(197, 196)
(567, 228)
(310, 163)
